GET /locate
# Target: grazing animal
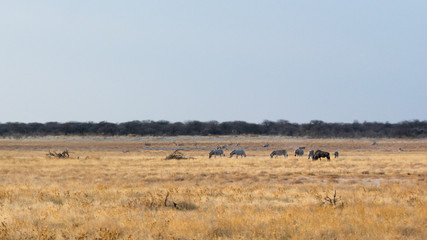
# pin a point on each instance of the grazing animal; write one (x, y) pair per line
(279, 152)
(321, 154)
(219, 152)
(266, 145)
(336, 154)
(310, 154)
(299, 152)
(238, 152)
(222, 147)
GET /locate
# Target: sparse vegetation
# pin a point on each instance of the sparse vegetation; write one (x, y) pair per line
(369, 192)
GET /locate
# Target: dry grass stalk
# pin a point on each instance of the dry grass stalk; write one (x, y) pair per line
(333, 201)
(63, 154)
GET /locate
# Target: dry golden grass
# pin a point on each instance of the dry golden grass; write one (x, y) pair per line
(123, 188)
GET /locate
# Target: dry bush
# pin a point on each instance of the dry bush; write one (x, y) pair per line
(177, 154)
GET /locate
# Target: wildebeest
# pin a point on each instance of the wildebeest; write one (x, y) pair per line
(321, 154)
(299, 152)
(279, 152)
(310, 154)
(238, 152)
(336, 154)
(219, 152)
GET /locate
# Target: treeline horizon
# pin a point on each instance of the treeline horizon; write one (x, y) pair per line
(314, 129)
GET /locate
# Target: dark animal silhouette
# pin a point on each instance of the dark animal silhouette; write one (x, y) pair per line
(310, 154)
(321, 154)
(336, 154)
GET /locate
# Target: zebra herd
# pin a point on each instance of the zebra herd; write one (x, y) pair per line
(314, 155)
(220, 152)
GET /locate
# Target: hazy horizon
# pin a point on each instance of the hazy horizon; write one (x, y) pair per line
(333, 61)
(195, 120)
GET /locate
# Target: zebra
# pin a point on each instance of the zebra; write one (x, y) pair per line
(279, 152)
(336, 154)
(319, 154)
(299, 152)
(238, 152)
(221, 147)
(219, 152)
(310, 154)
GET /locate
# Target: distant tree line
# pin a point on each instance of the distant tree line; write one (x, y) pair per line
(315, 129)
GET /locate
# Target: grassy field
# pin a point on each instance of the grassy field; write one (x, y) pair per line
(123, 188)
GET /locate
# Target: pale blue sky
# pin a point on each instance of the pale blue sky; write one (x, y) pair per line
(118, 61)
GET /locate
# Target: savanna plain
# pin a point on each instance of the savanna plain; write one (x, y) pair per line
(124, 188)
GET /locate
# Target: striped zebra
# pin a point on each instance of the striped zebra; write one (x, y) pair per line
(279, 152)
(238, 152)
(299, 152)
(219, 152)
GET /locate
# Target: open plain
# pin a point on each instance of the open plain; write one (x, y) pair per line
(123, 188)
